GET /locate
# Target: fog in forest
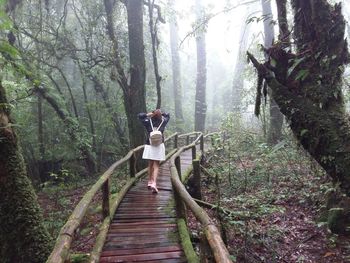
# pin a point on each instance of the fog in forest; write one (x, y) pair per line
(224, 22)
(254, 121)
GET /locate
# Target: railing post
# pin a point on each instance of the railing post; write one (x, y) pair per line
(187, 139)
(202, 143)
(178, 166)
(175, 141)
(180, 207)
(196, 180)
(132, 165)
(105, 199)
(194, 154)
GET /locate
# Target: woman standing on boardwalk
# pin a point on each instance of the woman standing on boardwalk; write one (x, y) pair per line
(154, 152)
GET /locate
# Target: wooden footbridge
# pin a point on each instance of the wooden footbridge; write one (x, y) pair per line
(139, 226)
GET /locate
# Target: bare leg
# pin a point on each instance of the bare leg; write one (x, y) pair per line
(155, 175)
(155, 170)
(150, 173)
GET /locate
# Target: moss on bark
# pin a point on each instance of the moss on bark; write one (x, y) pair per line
(311, 97)
(191, 256)
(23, 237)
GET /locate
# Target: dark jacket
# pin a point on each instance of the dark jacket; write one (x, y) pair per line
(147, 123)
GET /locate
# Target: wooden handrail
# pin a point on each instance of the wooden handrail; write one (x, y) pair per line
(188, 134)
(60, 252)
(212, 234)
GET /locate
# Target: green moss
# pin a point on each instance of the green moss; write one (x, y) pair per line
(23, 237)
(186, 242)
(79, 258)
(169, 209)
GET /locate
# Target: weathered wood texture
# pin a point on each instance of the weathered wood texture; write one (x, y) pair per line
(212, 234)
(144, 227)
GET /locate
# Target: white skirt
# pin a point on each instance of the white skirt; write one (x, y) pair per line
(154, 152)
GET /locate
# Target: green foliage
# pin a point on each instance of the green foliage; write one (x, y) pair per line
(260, 184)
(296, 63)
(6, 48)
(79, 258)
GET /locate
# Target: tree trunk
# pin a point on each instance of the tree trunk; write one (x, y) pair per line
(276, 117)
(176, 70)
(200, 98)
(154, 39)
(23, 237)
(135, 101)
(41, 129)
(40, 106)
(311, 97)
(134, 93)
(88, 111)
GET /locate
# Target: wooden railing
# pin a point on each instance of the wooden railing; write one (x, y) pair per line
(184, 200)
(61, 249)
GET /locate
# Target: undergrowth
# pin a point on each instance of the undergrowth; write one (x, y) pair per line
(274, 197)
(59, 197)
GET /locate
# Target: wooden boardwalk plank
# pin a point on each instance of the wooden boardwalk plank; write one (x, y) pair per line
(141, 250)
(144, 226)
(144, 257)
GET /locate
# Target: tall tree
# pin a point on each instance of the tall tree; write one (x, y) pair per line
(134, 93)
(311, 97)
(23, 237)
(276, 117)
(135, 101)
(176, 67)
(201, 80)
(237, 84)
(153, 23)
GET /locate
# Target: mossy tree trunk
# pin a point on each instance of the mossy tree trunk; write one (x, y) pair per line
(23, 237)
(276, 117)
(311, 96)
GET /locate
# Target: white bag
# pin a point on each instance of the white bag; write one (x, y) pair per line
(156, 136)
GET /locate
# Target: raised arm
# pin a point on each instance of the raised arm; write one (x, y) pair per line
(142, 115)
(166, 117)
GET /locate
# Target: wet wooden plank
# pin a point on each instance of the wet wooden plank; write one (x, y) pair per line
(177, 260)
(141, 250)
(138, 230)
(134, 240)
(159, 223)
(144, 226)
(117, 245)
(143, 257)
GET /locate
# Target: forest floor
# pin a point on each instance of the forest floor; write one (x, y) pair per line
(58, 202)
(275, 200)
(58, 206)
